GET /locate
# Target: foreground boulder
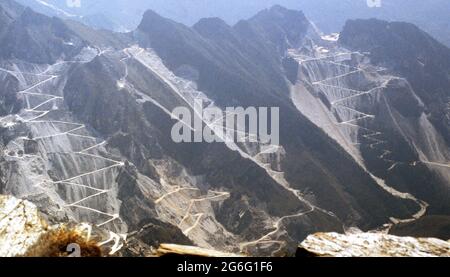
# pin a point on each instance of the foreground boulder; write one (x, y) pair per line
(181, 250)
(21, 226)
(25, 232)
(371, 245)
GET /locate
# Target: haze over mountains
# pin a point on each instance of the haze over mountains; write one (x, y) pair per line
(86, 118)
(329, 15)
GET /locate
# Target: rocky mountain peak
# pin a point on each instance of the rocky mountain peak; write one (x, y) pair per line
(152, 19)
(86, 119)
(279, 14)
(46, 39)
(30, 17)
(407, 38)
(392, 41)
(286, 28)
(214, 27)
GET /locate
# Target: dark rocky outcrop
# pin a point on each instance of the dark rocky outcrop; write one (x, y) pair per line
(31, 146)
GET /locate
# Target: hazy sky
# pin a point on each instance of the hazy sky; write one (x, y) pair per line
(329, 15)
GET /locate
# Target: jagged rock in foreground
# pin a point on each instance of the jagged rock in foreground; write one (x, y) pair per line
(25, 232)
(20, 226)
(181, 250)
(372, 245)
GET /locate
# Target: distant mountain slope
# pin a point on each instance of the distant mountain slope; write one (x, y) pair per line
(86, 119)
(412, 53)
(224, 83)
(46, 39)
(431, 226)
(329, 15)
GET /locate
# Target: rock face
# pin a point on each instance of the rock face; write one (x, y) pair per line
(372, 245)
(180, 250)
(25, 231)
(20, 226)
(423, 63)
(411, 53)
(330, 15)
(43, 47)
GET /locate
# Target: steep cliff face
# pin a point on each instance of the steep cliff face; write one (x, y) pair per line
(47, 39)
(377, 116)
(181, 192)
(411, 53)
(425, 65)
(329, 15)
(297, 133)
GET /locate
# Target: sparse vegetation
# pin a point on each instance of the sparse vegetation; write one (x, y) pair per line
(54, 244)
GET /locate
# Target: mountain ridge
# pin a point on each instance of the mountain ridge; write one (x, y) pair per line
(92, 126)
